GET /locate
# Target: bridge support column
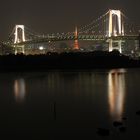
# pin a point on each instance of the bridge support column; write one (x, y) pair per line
(19, 49)
(120, 46)
(110, 45)
(139, 39)
(115, 45)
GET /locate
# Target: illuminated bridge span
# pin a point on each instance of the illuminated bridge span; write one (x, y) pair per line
(80, 37)
(59, 38)
(111, 27)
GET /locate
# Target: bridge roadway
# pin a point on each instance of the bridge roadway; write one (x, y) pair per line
(99, 38)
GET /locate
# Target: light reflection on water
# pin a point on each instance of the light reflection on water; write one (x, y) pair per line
(116, 93)
(19, 90)
(79, 83)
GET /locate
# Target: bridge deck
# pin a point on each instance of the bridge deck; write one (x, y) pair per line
(80, 37)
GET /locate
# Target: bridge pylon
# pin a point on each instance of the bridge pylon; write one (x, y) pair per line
(115, 28)
(19, 37)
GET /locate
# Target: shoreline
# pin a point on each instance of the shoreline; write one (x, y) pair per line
(67, 61)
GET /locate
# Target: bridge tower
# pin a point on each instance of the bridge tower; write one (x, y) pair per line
(115, 28)
(19, 37)
(76, 45)
(139, 39)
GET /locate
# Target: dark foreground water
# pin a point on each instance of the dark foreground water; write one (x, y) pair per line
(69, 104)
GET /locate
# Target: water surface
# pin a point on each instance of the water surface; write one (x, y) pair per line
(69, 104)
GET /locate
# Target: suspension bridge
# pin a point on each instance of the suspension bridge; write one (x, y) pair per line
(112, 27)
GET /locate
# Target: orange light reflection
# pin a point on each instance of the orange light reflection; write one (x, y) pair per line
(116, 93)
(19, 90)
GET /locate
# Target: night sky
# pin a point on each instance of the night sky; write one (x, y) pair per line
(48, 16)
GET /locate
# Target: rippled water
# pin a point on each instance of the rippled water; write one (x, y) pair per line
(69, 104)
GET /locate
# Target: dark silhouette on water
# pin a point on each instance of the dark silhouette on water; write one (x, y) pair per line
(138, 113)
(122, 129)
(103, 132)
(124, 118)
(117, 123)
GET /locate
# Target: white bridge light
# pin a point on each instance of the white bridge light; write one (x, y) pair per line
(41, 48)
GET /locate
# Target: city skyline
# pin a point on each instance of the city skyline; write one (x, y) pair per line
(50, 16)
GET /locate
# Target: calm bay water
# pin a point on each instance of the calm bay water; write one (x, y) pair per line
(69, 104)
